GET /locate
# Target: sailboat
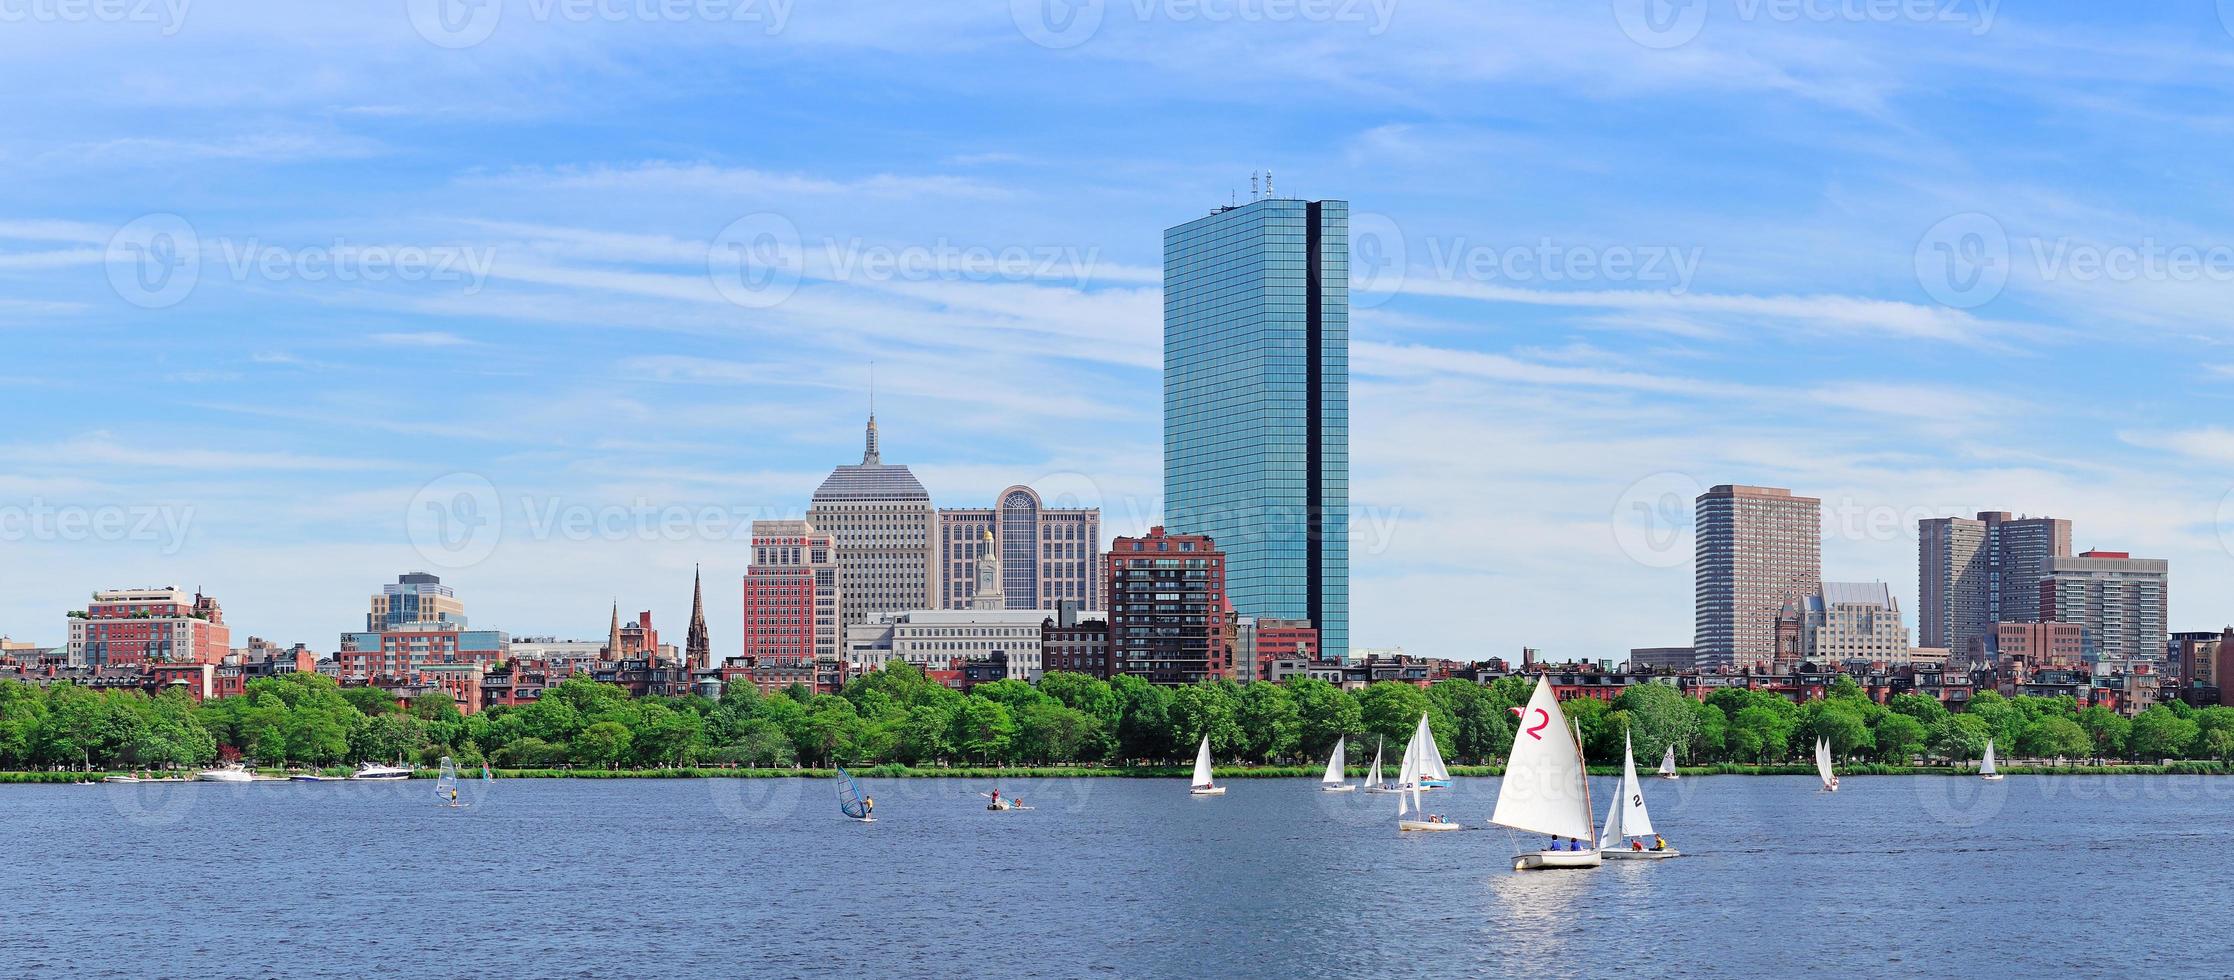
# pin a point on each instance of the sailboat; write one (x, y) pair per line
(1202, 786)
(1986, 768)
(1626, 817)
(1823, 765)
(1335, 780)
(1545, 790)
(446, 785)
(850, 801)
(1413, 782)
(1373, 781)
(1433, 774)
(1667, 764)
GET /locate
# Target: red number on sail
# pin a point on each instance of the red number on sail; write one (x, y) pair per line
(1543, 719)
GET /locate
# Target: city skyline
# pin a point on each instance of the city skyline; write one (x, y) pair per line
(1509, 422)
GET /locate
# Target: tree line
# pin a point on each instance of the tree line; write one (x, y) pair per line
(900, 716)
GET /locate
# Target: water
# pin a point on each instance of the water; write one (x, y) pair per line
(1118, 878)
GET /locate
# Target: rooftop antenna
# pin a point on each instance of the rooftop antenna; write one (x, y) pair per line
(1252, 185)
(1268, 184)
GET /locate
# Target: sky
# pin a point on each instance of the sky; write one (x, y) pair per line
(554, 297)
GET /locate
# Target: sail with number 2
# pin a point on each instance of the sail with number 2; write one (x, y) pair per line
(1544, 790)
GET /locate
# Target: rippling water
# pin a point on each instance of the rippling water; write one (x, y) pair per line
(1121, 878)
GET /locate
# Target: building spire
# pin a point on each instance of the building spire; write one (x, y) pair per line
(870, 456)
(613, 642)
(697, 649)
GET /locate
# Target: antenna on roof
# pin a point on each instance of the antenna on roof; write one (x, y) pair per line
(1252, 185)
(1268, 184)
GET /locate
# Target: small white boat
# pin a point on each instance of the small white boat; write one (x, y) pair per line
(1667, 765)
(1336, 778)
(1545, 789)
(998, 804)
(1202, 784)
(311, 777)
(1412, 778)
(226, 774)
(1373, 781)
(1823, 765)
(375, 770)
(1627, 818)
(121, 779)
(1986, 767)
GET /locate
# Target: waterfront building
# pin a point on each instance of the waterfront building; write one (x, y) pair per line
(1846, 621)
(1069, 641)
(1168, 608)
(794, 592)
(880, 518)
(1256, 404)
(1047, 554)
(2120, 600)
(129, 627)
(1758, 548)
(404, 653)
(1973, 573)
(2041, 646)
(414, 597)
(1661, 658)
(942, 640)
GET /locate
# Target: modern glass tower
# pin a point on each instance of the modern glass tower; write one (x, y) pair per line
(1256, 404)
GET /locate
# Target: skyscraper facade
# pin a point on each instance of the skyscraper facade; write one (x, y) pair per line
(2119, 599)
(1256, 404)
(1972, 573)
(880, 517)
(1758, 548)
(793, 593)
(1047, 554)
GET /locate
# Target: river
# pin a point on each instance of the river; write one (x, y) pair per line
(1128, 878)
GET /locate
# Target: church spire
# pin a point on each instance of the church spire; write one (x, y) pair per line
(697, 649)
(613, 642)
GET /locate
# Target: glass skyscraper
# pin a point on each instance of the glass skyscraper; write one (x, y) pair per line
(1256, 404)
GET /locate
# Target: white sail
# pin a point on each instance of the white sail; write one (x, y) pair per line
(1408, 777)
(1667, 762)
(1544, 790)
(1986, 768)
(1823, 761)
(1431, 757)
(1373, 775)
(1335, 765)
(446, 784)
(1202, 764)
(1609, 838)
(1635, 822)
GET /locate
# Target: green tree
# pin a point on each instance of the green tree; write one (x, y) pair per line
(1923, 708)
(1391, 711)
(1658, 716)
(2160, 733)
(1050, 732)
(2054, 738)
(2107, 729)
(1269, 720)
(1206, 709)
(1899, 737)
(1959, 738)
(1145, 729)
(602, 744)
(983, 730)
(1324, 713)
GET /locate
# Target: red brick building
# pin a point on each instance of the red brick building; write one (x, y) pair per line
(791, 598)
(129, 627)
(1167, 608)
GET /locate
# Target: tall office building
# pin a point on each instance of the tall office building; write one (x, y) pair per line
(1256, 404)
(414, 597)
(1047, 554)
(1974, 573)
(793, 593)
(881, 519)
(1758, 548)
(2120, 600)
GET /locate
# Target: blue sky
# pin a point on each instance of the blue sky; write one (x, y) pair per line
(1924, 263)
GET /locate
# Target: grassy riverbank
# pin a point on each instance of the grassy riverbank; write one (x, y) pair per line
(1181, 772)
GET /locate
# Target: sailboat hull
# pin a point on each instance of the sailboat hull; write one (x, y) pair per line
(1622, 855)
(1992, 777)
(1670, 775)
(1555, 860)
(1428, 825)
(1382, 789)
(1338, 788)
(1207, 791)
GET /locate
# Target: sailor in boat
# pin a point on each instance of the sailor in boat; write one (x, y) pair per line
(1636, 845)
(996, 799)
(1659, 843)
